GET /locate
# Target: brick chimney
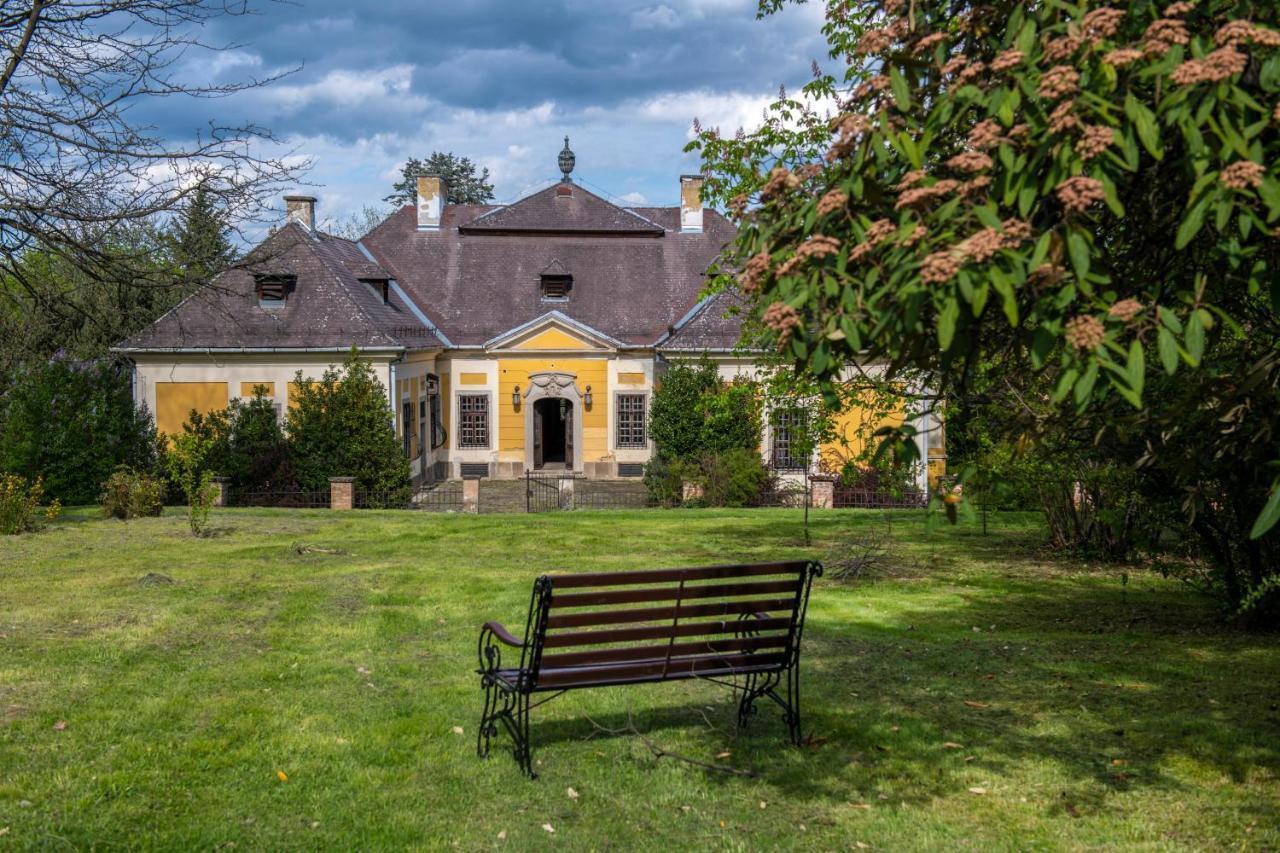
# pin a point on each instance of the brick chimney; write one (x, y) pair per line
(691, 203)
(301, 209)
(432, 192)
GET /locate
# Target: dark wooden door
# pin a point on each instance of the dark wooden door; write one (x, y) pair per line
(568, 437)
(537, 436)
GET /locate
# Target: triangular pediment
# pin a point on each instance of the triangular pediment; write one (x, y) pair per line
(553, 332)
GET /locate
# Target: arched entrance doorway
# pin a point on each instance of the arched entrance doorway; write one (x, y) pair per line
(552, 422)
(553, 433)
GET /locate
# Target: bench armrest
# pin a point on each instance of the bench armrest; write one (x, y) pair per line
(500, 631)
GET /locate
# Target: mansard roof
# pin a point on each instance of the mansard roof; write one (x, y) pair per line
(332, 305)
(562, 208)
(635, 273)
(715, 325)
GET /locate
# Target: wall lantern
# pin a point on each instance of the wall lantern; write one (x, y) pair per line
(515, 398)
(586, 399)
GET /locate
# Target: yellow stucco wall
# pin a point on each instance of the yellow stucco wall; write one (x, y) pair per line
(630, 378)
(593, 372)
(554, 339)
(246, 388)
(175, 400)
(854, 428)
(473, 378)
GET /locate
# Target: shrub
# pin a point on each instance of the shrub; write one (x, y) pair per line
(72, 425)
(128, 493)
(20, 510)
(186, 459)
(257, 454)
(664, 480)
(341, 426)
(675, 414)
(736, 477)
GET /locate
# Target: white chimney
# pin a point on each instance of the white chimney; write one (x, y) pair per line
(691, 203)
(301, 209)
(432, 191)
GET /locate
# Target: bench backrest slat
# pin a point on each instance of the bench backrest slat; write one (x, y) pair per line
(652, 576)
(760, 605)
(660, 632)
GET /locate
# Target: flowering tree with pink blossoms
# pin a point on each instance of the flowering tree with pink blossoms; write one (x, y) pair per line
(1085, 195)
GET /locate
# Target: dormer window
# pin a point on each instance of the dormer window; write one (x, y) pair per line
(273, 290)
(556, 287)
(381, 288)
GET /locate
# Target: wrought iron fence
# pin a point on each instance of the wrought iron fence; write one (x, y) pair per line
(862, 498)
(284, 498)
(441, 497)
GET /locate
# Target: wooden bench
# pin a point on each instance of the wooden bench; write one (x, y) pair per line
(739, 626)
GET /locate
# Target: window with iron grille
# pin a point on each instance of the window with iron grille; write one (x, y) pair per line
(473, 420)
(630, 419)
(788, 428)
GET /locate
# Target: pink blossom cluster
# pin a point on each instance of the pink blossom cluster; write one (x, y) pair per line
(915, 176)
(876, 233)
(1058, 48)
(1008, 60)
(832, 201)
(1122, 56)
(1080, 192)
(919, 195)
(1162, 35)
(927, 43)
(1241, 32)
(1101, 23)
(1085, 332)
(754, 272)
(1221, 64)
(1095, 140)
(985, 134)
(955, 65)
(1179, 9)
(1243, 174)
(1060, 81)
(1125, 310)
(940, 267)
(972, 72)
(848, 128)
(983, 245)
(817, 247)
(970, 161)
(780, 180)
(783, 319)
(1046, 274)
(1063, 118)
(878, 83)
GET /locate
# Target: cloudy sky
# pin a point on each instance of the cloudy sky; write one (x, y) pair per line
(501, 81)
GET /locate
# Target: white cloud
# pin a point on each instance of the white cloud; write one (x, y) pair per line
(633, 198)
(387, 86)
(655, 18)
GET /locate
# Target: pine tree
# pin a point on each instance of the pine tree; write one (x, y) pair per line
(464, 185)
(201, 246)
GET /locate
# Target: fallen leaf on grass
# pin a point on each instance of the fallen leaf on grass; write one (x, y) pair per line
(457, 730)
(1118, 762)
(862, 845)
(363, 670)
(863, 806)
(573, 795)
(763, 804)
(724, 754)
(282, 776)
(976, 790)
(979, 705)
(970, 757)
(59, 726)
(548, 827)
(4, 830)
(502, 836)
(952, 745)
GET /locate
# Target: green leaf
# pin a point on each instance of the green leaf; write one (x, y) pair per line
(1136, 368)
(1192, 223)
(1168, 350)
(1078, 249)
(1145, 122)
(1270, 513)
(901, 89)
(1009, 301)
(1085, 386)
(947, 318)
(1065, 381)
(1195, 338)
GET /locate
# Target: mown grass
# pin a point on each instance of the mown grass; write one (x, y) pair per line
(980, 692)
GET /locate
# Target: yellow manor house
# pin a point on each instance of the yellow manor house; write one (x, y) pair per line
(518, 337)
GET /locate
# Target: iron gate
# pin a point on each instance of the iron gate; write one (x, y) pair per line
(546, 492)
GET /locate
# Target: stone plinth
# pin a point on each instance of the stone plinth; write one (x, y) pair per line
(471, 494)
(341, 492)
(822, 492)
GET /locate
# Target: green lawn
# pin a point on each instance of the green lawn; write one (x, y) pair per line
(978, 692)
